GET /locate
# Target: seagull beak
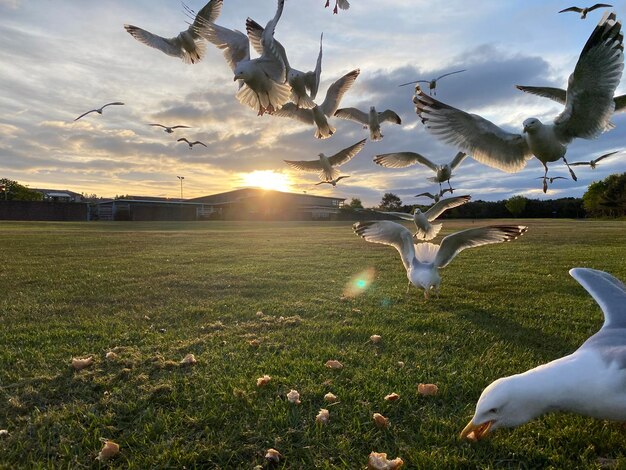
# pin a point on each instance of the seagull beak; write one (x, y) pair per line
(475, 432)
(525, 128)
(235, 78)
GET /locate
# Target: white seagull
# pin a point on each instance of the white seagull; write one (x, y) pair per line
(588, 109)
(422, 261)
(404, 159)
(589, 381)
(422, 220)
(99, 110)
(188, 45)
(332, 182)
(371, 120)
(320, 113)
(594, 162)
(583, 11)
(170, 129)
(299, 81)
(432, 84)
(343, 4)
(264, 79)
(191, 144)
(326, 166)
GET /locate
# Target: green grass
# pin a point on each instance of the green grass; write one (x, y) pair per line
(157, 291)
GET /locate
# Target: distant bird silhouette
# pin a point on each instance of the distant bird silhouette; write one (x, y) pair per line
(371, 120)
(583, 11)
(432, 84)
(594, 162)
(333, 182)
(551, 180)
(188, 45)
(99, 110)
(404, 159)
(343, 4)
(191, 144)
(170, 129)
(434, 197)
(325, 166)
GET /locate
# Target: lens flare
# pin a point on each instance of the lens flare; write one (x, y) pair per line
(359, 283)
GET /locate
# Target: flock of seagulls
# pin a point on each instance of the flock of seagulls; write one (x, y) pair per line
(269, 85)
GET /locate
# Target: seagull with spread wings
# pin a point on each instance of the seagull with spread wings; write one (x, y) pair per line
(371, 120)
(170, 129)
(595, 161)
(263, 81)
(423, 261)
(422, 220)
(404, 159)
(588, 109)
(191, 144)
(434, 197)
(99, 110)
(188, 45)
(327, 166)
(332, 182)
(343, 4)
(432, 83)
(319, 115)
(583, 11)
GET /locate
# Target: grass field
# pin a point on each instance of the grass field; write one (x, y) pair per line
(158, 291)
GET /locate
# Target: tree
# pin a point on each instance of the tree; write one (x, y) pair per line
(390, 202)
(516, 205)
(355, 203)
(13, 191)
(606, 197)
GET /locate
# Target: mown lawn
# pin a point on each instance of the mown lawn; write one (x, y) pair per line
(155, 292)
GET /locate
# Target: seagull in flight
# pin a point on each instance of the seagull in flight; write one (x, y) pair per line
(404, 159)
(422, 261)
(432, 84)
(343, 4)
(422, 220)
(588, 109)
(327, 166)
(191, 144)
(99, 110)
(583, 11)
(170, 129)
(590, 381)
(188, 45)
(332, 182)
(595, 161)
(560, 96)
(371, 120)
(549, 179)
(434, 197)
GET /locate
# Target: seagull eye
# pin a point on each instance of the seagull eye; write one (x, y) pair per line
(493, 410)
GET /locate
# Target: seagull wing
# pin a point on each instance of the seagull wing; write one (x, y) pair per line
(576, 164)
(255, 31)
(183, 139)
(453, 244)
(171, 46)
(400, 215)
(576, 9)
(432, 196)
(591, 86)
(620, 103)
(456, 161)
(606, 155)
(443, 205)
(353, 114)
(115, 103)
(608, 291)
(308, 165)
(402, 160)
(158, 125)
(180, 127)
(85, 114)
(555, 94)
(234, 43)
(347, 154)
(389, 233)
(199, 143)
(273, 60)
(312, 79)
(337, 90)
(449, 73)
(599, 5)
(389, 116)
(482, 139)
(209, 13)
(290, 110)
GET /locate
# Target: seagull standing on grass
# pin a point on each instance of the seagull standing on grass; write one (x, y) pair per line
(404, 159)
(583, 11)
(589, 382)
(588, 109)
(188, 45)
(99, 110)
(422, 261)
(432, 84)
(326, 166)
(371, 120)
(319, 114)
(426, 230)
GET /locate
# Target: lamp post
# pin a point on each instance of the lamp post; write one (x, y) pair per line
(181, 178)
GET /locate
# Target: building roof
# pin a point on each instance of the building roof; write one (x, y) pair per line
(57, 192)
(244, 193)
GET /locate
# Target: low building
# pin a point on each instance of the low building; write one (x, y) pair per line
(59, 195)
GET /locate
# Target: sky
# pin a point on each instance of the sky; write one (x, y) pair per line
(61, 58)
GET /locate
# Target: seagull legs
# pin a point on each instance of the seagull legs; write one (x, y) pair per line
(450, 186)
(408, 287)
(571, 172)
(327, 4)
(545, 179)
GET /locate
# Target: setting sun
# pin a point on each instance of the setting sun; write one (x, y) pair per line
(267, 179)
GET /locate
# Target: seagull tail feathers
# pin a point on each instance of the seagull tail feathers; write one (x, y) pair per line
(426, 252)
(430, 233)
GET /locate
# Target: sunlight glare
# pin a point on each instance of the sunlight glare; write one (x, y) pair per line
(359, 283)
(267, 179)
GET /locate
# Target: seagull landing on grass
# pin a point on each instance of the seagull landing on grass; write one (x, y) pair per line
(423, 261)
(583, 11)
(99, 110)
(595, 161)
(371, 120)
(327, 166)
(170, 129)
(191, 144)
(426, 230)
(188, 45)
(432, 84)
(343, 4)
(588, 109)
(589, 382)
(404, 159)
